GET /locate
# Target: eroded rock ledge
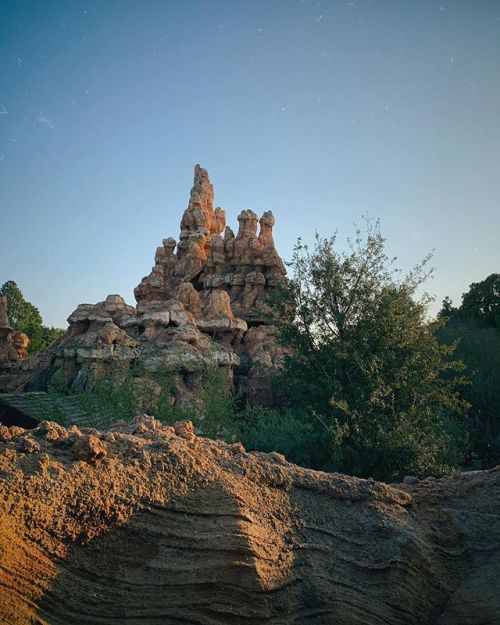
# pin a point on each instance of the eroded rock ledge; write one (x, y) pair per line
(149, 524)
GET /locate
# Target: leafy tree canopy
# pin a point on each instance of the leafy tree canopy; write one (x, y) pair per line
(481, 303)
(362, 362)
(474, 327)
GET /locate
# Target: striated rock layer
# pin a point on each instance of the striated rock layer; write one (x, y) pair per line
(149, 524)
(203, 303)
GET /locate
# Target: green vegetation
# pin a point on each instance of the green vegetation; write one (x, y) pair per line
(267, 429)
(122, 394)
(25, 317)
(474, 327)
(368, 386)
(374, 392)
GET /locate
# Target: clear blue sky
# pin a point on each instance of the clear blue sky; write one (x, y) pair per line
(319, 110)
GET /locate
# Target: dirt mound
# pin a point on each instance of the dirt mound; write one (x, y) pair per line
(147, 524)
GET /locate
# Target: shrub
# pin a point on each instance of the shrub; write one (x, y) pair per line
(363, 368)
(123, 393)
(265, 429)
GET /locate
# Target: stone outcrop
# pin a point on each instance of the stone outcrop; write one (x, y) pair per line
(13, 345)
(20, 342)
(245, 266)
(203, 303)
(4, 319)
(149, 524)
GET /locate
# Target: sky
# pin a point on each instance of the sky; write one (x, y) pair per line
(322, 111)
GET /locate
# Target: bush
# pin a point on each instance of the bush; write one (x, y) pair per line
(363, 369)
(123, 393)
(479, 348)
(265, 429)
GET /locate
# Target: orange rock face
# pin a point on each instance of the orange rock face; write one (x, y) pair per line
(20, 342)
(194, 308)
(246, 266)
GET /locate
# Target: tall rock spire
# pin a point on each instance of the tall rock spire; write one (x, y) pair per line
(7, 352)
(246, 265)
(200, 217)
(4, 319)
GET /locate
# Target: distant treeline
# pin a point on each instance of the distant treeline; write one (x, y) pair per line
(474, 329)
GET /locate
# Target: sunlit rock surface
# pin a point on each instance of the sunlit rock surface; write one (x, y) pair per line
(204, 303)
(13, 345)
(148, 524)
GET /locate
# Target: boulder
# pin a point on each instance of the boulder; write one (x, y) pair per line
(20, 342)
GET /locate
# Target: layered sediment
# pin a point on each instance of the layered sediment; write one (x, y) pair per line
(148, 524)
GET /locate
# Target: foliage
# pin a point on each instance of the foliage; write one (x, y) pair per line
(267, 429)
(475, 330)
(25, 317)
(363, 366)
(447, 311)
(481, 303)
(123, 393)
(217, 418)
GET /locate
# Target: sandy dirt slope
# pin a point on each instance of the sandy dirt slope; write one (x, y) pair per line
(151, 525)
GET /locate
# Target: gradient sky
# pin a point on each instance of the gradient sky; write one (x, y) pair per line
(319, 110)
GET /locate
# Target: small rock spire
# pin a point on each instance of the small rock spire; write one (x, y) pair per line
(200, 216)
(4, 319)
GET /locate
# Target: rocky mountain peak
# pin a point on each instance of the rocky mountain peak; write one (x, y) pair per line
(203, 303)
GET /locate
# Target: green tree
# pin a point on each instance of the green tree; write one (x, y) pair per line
(482, 301)
(363, 365)
(447, 310)
(25, 317)
(474, 327)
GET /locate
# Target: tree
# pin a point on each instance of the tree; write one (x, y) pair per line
(474, 327)
(482, 301)
(448, 310)
(363, 364)
(25, 317)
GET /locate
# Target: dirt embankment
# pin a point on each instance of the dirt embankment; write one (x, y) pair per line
(149, 525)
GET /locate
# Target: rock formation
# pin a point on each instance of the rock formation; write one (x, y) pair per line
(13, 345)
(148, 524)
(203, 303)
(245, 266)
(8, 354)
(20, 342)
